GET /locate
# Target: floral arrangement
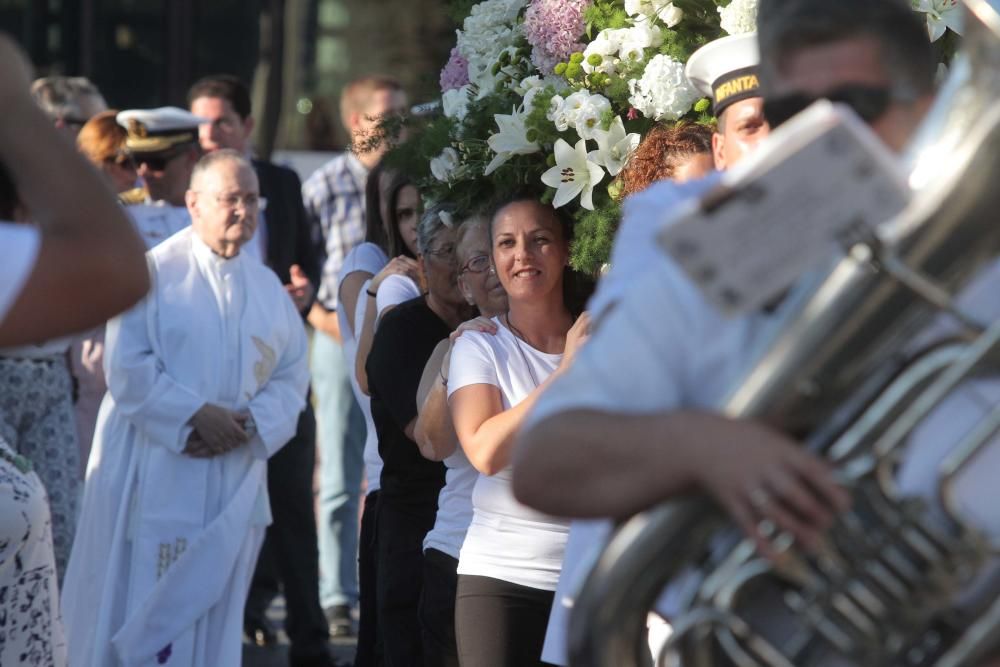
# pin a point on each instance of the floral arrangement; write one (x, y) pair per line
(555, 95)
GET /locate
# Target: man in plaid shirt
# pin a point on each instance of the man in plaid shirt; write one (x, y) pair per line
(334, 198)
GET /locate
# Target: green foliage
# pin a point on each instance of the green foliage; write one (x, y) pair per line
(604, 14)
(594, 233)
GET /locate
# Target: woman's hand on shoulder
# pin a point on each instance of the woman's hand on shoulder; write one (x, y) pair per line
(575, 338)
(481, 324)
(401, 266)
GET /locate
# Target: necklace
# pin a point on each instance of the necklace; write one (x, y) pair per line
(518, 337)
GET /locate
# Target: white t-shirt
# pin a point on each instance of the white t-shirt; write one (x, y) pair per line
(368, 258)
(506, 540)
(394, 290)
(20, 245)
(454, 506)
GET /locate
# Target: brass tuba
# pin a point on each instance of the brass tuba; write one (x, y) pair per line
(882, 589)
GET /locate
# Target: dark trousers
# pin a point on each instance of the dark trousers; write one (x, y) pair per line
(289, 557)
(500, 624)
(437, 609)
(369, 650)
(400, 564)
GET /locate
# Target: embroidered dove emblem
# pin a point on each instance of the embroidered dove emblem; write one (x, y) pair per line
(263, 368)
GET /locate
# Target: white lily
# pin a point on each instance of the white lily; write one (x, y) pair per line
(941, 15)
(511, 140)
(574, 174)
(614, 146)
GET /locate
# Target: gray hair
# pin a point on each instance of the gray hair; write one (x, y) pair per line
(785, 27)
(434, 220)
(68, 97)
(209, 161)
(474, 221)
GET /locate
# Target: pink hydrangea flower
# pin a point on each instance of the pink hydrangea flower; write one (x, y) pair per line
(554, 29)
(456, 73)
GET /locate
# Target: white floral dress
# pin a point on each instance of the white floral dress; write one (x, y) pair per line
(31, 631)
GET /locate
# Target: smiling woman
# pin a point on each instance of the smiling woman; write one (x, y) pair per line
(512, 555)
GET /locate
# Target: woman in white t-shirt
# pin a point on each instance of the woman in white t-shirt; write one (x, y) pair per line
(510, 561)
(392, 207)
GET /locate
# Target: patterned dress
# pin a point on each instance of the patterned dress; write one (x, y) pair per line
(31, 631)
(37, 421)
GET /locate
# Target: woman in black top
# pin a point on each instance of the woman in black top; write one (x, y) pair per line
(407, 503)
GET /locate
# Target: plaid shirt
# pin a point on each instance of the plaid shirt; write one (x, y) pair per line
(334, 197)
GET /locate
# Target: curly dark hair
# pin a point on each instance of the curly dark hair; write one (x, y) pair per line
(661, 152)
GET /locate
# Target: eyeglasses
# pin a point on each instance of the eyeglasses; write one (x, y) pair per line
(248, 201)
(477, 264)
(869, 102)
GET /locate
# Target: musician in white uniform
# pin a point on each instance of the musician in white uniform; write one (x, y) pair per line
(631, 423)
(164, 145)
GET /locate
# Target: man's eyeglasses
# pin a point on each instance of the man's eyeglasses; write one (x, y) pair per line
(477, 264)
(248, 202)
(869, 102)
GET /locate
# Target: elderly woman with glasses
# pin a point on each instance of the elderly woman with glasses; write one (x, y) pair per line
(436, 438)
(511, 557)
(407, 504)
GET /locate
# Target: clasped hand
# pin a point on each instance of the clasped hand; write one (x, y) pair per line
(217, 431)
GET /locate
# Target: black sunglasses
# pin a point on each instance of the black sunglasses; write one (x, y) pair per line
(154, 162)
(869, 102)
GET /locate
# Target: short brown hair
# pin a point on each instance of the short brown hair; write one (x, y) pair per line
(357, 95)
(661, 152)
(102, 139)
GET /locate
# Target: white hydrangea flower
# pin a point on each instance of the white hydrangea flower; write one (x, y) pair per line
(638, 38)
(664, 10)
(487, 31)
(443, 167)
(739, 17)
(663, 92)
(455, 102)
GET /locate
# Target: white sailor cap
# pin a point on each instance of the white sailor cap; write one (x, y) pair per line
(159, 130)
(726, 70)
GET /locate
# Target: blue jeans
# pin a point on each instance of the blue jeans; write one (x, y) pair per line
(341, 429)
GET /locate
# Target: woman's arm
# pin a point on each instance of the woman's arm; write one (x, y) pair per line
(349, 292)
(398, 265)
(485, 430)
(90, 264)
(433, 432)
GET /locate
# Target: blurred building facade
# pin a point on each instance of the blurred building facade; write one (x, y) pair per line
(298, 54)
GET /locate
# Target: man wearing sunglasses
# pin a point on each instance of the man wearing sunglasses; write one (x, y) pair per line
(163, 144)
(633, 423)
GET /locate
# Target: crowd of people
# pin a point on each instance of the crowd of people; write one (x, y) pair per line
(465, 399)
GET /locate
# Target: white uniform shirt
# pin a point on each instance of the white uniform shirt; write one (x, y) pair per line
(657, 345)
(506, 540)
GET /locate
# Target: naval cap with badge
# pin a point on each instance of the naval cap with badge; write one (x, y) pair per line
(726, 70)
(157, 135)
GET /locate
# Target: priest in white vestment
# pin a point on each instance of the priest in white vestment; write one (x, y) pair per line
(206, 380)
